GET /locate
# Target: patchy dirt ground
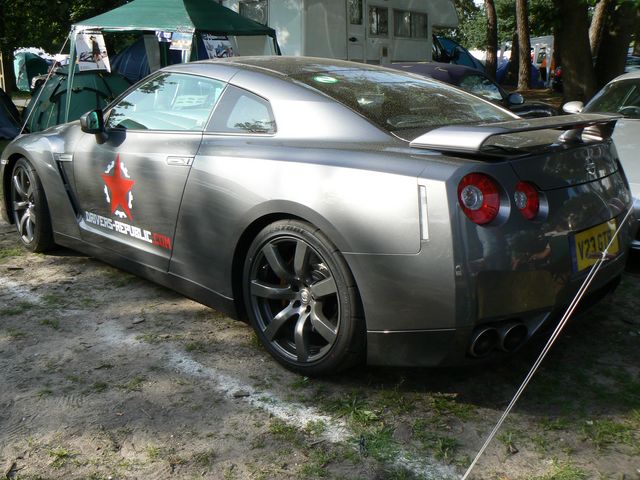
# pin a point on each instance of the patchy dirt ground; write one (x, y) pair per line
(106, 376)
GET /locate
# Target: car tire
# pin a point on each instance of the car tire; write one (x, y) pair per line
(302, 300)
(29, 208)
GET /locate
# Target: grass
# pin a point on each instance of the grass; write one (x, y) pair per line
(118, 279)
(133, 385)
(153, 452)
(564, 471)
(16, 334)
(60, 456)
(353, 407)
(282, 430)
(316, 464)
(151, 338)
(443, 448)
(380, 444)
(99, 387)
(205, 459)
(315, 427)
(55, 324)
(197, 346)
(300, 383)
(604, 433)
(446, 405)
(8, 252)
(17, 309)
(45, 392)
(398, 402)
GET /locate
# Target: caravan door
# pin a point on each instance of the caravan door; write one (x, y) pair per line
(356, 40)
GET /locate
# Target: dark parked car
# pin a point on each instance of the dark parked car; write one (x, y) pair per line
(478, 83)
(349, 211)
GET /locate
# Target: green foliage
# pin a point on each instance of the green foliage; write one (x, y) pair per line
(44, 23)
(472, 31)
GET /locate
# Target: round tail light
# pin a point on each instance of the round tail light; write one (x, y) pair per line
(527, 200)
(479, 197)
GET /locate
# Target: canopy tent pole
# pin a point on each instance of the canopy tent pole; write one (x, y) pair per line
(72, 71)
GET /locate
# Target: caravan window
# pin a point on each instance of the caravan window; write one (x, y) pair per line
(169, 102)
(410, 24)
(256, 10)
(379, 21)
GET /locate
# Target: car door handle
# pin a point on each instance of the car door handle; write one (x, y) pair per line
(353, 39)
(180, 161)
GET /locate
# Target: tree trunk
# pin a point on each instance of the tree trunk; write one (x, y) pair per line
(598, 21)
(578, 77)
(524, 45)
(9, 76)
(511, 77)
(492, 38)
(616, 36)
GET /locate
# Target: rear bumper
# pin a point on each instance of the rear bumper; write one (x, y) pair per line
(451, 347)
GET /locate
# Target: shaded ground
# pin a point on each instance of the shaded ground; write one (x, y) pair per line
(104, 375)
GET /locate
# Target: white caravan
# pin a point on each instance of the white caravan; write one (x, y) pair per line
(372, 31)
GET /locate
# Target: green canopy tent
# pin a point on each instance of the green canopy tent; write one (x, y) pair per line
(184, 16)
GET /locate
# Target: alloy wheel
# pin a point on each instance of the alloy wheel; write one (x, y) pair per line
(295, 299)
(24, 203)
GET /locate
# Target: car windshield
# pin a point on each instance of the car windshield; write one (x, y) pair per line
(618, 97)
(396, 101)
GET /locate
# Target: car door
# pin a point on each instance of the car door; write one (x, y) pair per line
(129, 185)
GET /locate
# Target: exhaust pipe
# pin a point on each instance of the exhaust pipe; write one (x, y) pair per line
(484, 341)
(512, 336)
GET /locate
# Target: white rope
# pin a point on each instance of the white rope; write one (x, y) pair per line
(556, 333)
(35, 101)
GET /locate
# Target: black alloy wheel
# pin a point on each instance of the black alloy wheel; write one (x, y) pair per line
(302, 300)
(29, 208)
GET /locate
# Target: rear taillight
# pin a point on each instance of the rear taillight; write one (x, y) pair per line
(527, 200)
(479, 197)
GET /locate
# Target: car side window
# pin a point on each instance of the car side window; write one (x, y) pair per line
(240, 111)
(482, 86)
(167, 102)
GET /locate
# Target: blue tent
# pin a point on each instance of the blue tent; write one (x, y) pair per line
(9, 117)
(131, 62)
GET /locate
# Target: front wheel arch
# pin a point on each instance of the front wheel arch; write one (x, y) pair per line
(27, 206)
(6, 187)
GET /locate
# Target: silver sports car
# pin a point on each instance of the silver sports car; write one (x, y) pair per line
(348, 211)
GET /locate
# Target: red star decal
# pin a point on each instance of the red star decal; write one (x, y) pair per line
(118, 186)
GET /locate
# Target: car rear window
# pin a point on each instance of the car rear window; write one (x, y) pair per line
(395, 101)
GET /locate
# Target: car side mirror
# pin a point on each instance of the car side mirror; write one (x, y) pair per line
(515, 99)
(573, 107)
(92, 122)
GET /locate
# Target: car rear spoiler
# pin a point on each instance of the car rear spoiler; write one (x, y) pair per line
(471, 139)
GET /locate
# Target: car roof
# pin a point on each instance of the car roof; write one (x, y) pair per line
(445, 72)
(284, 65)
(628, 76)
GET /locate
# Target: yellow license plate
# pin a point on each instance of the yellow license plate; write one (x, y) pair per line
(589, 244)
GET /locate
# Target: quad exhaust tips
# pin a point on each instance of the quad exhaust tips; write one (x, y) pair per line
(507, 337)
(512, 336)
(484, 341)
